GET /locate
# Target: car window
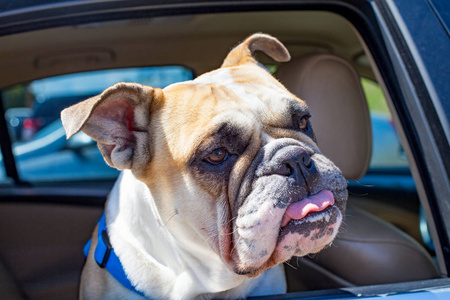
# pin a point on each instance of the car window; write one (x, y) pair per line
(388, 185)
(387, 152)
(39, 144)
(2, 169)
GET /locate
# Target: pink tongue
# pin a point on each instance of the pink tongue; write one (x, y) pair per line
(300, 209)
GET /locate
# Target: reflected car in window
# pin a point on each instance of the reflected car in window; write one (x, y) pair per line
(41, 150)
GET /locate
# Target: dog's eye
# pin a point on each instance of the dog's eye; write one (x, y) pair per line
(303, 124)
(217, 156)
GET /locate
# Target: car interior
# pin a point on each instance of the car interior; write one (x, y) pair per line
(45, 224)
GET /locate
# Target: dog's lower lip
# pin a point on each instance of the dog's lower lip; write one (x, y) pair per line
(308, 217)
(315, 203)
(242, 272)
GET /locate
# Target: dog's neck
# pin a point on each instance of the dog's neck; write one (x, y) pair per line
(156, 263)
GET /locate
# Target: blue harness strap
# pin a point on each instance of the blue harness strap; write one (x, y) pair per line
(107, 258)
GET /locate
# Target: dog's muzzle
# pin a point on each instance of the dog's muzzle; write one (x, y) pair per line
(292, 205)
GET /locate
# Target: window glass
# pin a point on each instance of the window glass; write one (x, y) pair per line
(388, 190)
(2, 169)
(387, 152)
(32, 112)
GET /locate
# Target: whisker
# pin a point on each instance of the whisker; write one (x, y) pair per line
(291, 265)
(358, 195)
(232, 219)
(174, 214)
(235, 244)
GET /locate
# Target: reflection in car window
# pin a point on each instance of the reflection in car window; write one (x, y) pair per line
(2, 169)
(388, 190)
(33, 116)
(387, 152)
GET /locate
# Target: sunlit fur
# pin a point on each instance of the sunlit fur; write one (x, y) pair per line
(179, 231)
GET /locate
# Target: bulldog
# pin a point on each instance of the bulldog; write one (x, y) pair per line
(222, 182)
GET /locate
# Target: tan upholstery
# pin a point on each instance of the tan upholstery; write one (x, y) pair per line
(394, 256)
(340, 116)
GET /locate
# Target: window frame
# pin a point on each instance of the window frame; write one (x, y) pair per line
(378, 29)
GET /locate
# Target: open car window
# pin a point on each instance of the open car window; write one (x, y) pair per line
(387, 152)
(32, 113)
(388, 189)
(389, 169)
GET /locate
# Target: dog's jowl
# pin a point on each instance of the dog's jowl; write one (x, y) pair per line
(223, 181)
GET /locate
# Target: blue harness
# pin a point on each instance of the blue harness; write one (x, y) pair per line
(107, 258)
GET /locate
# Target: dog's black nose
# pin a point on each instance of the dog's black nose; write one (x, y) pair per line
(302, 168)
(297, 164)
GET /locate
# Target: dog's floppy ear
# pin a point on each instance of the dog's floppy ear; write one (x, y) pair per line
(243, 53)
(118, 120)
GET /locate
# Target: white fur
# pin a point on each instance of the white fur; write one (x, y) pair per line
(158, 265)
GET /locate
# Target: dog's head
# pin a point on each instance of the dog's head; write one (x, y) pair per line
(230, 158)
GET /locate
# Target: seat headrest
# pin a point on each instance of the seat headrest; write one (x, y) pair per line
(333, 92)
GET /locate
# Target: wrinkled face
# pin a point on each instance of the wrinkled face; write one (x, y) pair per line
(236, 162)
(230, 160)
